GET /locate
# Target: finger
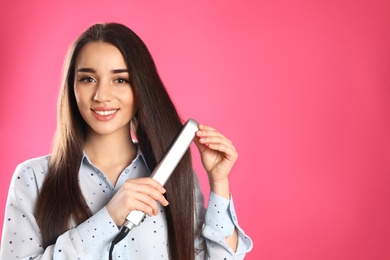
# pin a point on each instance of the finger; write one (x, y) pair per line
(216, 140)
(134, 189)
(148, 182)
(148, 204)
(206, 131)
(206, 127)
(140, 205)
(229, 152)
(144, 202)
(201, 147)
(226, 148)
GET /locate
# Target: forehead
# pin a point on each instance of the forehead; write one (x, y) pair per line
(100, 54)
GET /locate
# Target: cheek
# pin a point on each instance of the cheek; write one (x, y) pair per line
(128, 98)
(76, 91)
(80, 96)
(77, 98)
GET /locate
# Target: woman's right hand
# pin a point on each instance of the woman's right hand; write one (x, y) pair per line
(136, 194)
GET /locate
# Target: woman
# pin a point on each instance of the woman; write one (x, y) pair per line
(72, 204)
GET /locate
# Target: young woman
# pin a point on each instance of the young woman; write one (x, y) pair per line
(71, 204)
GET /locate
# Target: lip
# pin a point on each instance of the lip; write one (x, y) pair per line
(104, 114)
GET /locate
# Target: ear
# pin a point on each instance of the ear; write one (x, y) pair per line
(133, 129)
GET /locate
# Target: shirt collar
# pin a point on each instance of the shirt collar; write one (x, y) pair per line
(138, 156)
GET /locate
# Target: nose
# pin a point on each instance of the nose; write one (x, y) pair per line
(103, 92)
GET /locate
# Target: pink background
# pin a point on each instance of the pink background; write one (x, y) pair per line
(301, 87)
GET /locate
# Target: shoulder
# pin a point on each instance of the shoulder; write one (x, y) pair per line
(34, 165)
(32, 170)
(38, 162)
(27, 181)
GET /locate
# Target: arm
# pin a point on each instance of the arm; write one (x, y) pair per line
(218, 156)
(214, 225)
(21, 237)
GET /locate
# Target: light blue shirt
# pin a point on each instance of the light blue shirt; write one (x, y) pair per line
(92, 239)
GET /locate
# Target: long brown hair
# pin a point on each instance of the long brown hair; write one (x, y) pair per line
(157, 122)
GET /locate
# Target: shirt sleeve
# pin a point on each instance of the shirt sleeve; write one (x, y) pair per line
(21, 237)
(215, 224)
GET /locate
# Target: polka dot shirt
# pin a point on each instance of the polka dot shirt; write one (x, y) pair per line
(92, 239)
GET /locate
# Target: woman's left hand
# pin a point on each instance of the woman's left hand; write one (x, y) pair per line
(218, 156)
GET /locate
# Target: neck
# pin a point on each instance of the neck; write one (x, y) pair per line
(110, 153)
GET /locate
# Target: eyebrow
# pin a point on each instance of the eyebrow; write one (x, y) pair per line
(116, 71)
(120, 71)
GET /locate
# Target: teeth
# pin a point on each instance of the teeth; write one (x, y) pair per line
(105, 113)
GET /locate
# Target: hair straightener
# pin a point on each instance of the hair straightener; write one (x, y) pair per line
(161, 173)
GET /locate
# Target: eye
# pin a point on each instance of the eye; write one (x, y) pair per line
(87, 79)
(122, 80)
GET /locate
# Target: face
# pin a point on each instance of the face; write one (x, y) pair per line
(102, 88)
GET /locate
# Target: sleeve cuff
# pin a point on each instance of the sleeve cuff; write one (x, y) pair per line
(220, 221)
(219, 216)
(98, 231)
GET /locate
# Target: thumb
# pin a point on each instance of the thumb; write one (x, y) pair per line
(201, 147)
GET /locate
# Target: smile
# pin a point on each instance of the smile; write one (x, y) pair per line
(105, 113)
